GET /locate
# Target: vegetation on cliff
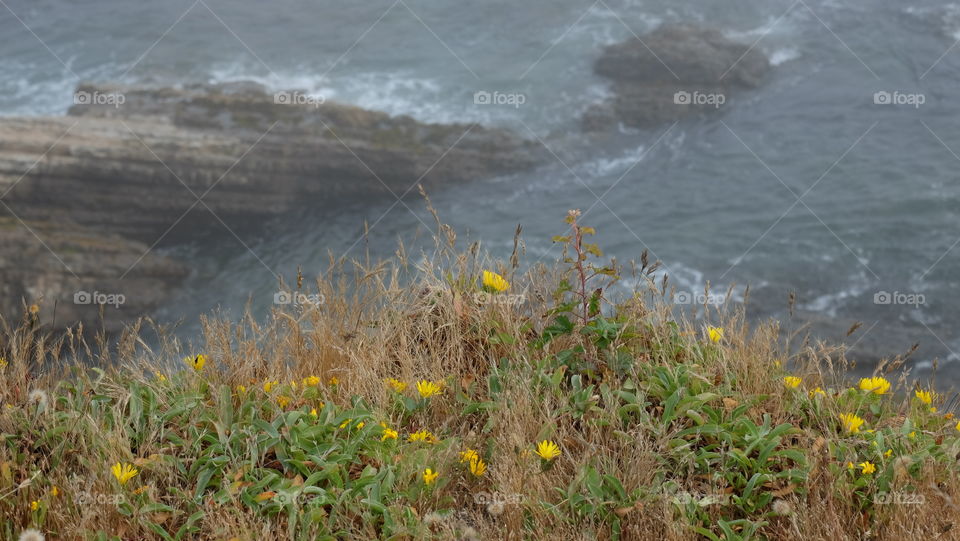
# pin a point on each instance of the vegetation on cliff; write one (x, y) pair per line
(453, 397)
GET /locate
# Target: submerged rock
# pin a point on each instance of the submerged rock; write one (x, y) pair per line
(673, 72)
(71, 274)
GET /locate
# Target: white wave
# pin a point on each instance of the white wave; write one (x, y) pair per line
(602, 167)
(27, 89)
(780, 56)
(830, 303)
(395, 93)
(773, 26)
(690, 285)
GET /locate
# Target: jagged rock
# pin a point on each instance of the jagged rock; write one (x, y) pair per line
(648, 73)
(136, 168)
(127, 166)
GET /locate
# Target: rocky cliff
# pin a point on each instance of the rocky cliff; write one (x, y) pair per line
(103, 184)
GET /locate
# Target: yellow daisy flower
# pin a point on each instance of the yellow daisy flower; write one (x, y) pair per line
(196, 363)
(424, 436)
(429, 476)
(876, 385)
(396, 385)
(851, 422)
(715, 334)
(124, 472)
(477, 467)
(792, 382)
(548, 450)
(428, 388)
(924, 396)
(495, 282)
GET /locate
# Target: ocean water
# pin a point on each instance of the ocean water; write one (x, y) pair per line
(805, 185)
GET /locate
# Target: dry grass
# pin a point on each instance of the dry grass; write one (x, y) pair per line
(217, 462)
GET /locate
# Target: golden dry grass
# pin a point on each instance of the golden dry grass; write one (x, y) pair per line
(631, 467)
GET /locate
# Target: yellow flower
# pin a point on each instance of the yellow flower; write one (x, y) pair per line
(34, 505)
(948, 416)
(428, 388)
(477, 466)
(160, 377)
(423, 435)
(396, 385)
(333, 381)
(817, 391)
(468, 455)
(924, 396)
(389, 434)
(867, 468)
(875, 385)
(548, 450)
(958, 425)
(196, 363)
(313, 412)
(850, 466)
(124, 472)
(54, 491)
(34, 308)
(792, 382)
(715, 334)
(888, 453)
(268, 385)
(494, 281)
(358, 426)
(851, 422)
(241, 389)
(311, 381)
(3, 363)
(913, 434)
(283, 401)
(429, 476)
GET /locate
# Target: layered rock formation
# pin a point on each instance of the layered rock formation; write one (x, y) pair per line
(671, 73)
(112, 178)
